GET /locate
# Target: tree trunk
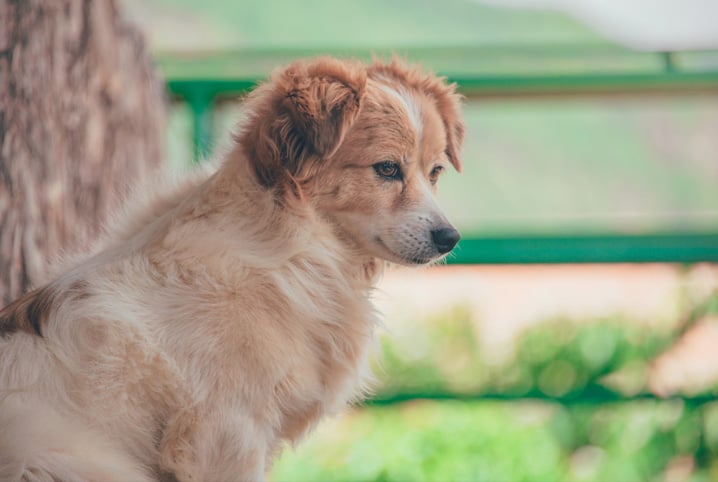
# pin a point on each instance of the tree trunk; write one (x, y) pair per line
(81, 116)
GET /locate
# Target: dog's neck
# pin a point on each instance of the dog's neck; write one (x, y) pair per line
(287, 214)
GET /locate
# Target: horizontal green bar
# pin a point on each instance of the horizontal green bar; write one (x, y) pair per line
(502, 85)
(598, 83)
(668, 248)
(472, 60)
(209, 88)
(593, 396)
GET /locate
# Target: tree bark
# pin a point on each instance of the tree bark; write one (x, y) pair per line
(81, 116)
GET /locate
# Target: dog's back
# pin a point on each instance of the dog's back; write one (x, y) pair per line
(40, 438)
(70, 352)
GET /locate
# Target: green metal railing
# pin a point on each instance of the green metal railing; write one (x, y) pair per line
(658, 73)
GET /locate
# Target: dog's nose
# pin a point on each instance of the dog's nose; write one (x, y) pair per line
(445, 239)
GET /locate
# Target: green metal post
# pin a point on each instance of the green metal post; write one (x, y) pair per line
(668, 64)
(202, 122)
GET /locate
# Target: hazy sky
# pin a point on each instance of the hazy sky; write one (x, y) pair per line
(642, 24)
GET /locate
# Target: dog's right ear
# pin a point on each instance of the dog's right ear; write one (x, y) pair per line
(298, 120)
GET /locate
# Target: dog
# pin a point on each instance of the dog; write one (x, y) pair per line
(222, 318)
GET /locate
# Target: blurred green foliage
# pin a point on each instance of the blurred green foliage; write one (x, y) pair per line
(572, 404)
(558, 359)
(518, 441)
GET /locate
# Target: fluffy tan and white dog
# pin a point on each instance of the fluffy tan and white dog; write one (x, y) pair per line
(224, 317)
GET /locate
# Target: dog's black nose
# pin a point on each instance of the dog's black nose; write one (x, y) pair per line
(445, 239)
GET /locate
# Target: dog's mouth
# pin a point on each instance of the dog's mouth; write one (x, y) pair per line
(405, 260)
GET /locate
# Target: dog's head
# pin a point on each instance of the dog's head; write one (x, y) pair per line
(365, 145)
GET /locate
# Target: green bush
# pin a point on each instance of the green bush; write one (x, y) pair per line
(575, 407)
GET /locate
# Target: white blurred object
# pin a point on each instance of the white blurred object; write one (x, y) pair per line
(641, 24)
(690, 365)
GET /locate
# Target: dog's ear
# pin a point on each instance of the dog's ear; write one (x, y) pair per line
(299, 119)
(449, 105)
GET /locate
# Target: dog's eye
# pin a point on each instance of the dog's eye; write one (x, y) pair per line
(434, 174)
(388, 170)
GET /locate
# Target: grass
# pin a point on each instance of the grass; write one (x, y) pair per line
(518, 441)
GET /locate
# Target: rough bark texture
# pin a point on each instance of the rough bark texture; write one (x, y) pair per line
(81, 116)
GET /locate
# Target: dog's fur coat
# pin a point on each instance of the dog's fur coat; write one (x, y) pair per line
(225, 316)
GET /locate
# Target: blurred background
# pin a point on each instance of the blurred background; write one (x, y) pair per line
(572, 336)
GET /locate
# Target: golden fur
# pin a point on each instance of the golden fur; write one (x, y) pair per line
(226, 315)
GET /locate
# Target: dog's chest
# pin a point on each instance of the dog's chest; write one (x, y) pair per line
(288, 346)
(324, 343)
(327, 378)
